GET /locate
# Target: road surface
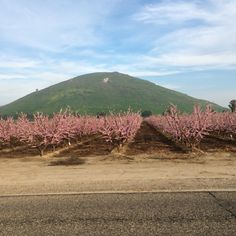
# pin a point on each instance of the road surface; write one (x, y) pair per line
(190, 213)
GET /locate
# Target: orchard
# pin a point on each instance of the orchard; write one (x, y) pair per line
(63, 128)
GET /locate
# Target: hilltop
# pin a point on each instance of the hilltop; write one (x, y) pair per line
(102, 92)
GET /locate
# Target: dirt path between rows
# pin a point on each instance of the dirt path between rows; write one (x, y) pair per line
(32, 175)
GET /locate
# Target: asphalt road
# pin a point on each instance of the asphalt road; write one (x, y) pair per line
(208, 213)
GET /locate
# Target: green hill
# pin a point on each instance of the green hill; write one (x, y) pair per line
(102, 92)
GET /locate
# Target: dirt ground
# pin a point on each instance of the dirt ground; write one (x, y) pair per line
(34, 175)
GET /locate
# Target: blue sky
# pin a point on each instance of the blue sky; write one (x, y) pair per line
(189, 46)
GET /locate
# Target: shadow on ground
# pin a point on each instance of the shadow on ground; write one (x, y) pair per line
(68, 161)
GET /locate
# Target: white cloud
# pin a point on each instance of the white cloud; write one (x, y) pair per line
(54, 25)
(194, 59)
(171, 11)
(134, 68)
(175, 12)
(208, 42)
(18, 63)
(11, 76)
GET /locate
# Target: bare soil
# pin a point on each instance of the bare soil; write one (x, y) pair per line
(148, 140)
(213, 144)
(33, 175)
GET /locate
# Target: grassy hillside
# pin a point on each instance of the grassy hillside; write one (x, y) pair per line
(102, 92)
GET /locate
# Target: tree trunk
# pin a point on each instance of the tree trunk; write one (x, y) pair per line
(41, 150)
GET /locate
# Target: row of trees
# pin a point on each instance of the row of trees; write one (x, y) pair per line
(64, 128)
(190, 129)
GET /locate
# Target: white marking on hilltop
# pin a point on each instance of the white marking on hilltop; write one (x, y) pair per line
(105, 80)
